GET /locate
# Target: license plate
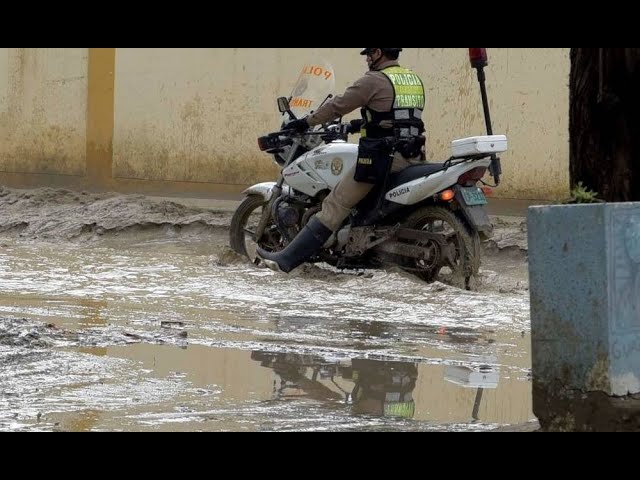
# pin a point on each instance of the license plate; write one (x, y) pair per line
(473, 196)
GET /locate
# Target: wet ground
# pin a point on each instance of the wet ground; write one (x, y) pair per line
(124, 313)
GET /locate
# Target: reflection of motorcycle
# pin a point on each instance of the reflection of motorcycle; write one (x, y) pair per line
(427, 219)
(378, 388)
(479, 376)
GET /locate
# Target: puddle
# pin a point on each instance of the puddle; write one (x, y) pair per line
(164, 328)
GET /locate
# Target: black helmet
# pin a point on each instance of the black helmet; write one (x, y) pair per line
(366, 51)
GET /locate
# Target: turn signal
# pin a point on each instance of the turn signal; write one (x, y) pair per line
(447, 195)
(488, 191)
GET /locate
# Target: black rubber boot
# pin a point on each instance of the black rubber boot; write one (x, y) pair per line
(310, 239)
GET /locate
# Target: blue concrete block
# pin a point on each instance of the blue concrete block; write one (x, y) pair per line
(584, 264)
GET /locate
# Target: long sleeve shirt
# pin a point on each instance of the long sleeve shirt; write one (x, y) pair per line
(373, 90)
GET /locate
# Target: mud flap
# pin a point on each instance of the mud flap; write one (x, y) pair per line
(478, 218)
(475, 215)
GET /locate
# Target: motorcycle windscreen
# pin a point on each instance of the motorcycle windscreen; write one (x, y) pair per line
(314, 86)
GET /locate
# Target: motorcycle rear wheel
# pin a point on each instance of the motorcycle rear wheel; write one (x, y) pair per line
(466, 261)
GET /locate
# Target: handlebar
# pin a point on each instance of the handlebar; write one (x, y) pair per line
(329, 133)
(338, 128)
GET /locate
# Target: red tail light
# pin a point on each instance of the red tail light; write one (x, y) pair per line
(472, 177)
(478, 57)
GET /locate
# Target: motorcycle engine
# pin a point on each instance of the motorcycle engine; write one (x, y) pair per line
(288, 216)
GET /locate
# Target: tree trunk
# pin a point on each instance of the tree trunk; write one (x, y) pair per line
(605, 122)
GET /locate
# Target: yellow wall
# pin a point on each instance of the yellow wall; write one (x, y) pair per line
(194, 114)
(186, 120)
(529, 98)
(43, 110)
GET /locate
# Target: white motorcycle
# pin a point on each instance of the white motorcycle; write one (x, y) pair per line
(428, 219)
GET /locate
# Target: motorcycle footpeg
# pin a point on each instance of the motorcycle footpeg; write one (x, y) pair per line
(271, 265)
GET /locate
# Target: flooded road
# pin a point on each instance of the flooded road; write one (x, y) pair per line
(157, 325)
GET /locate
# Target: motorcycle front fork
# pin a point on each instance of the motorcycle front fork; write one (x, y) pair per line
(266, 211)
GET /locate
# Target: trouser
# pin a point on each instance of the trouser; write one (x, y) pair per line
(348, 193)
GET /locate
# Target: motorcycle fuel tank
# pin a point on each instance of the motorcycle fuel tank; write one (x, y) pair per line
(321, 168)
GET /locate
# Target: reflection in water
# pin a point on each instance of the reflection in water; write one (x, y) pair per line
(480, 377)
(370, 387)
(384, 388)
(450, 389)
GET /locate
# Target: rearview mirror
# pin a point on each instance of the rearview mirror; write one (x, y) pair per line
(283, 104)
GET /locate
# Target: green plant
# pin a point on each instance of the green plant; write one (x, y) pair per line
(581, 194)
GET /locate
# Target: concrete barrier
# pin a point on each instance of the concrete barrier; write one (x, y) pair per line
(585, 315)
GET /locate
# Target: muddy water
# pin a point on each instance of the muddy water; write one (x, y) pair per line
(163, 328)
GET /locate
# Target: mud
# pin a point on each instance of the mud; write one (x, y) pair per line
(509, 238)
(51, 214)
(127, 313)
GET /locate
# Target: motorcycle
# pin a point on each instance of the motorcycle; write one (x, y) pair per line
(428, 219)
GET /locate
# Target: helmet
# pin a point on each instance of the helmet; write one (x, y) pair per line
(366, 51)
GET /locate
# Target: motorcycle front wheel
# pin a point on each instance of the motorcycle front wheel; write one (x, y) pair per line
(244, 225)
(463, 260)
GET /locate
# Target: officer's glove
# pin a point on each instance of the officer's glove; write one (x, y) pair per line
(355, 126)
(299, 126)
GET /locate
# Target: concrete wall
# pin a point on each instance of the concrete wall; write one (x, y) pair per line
(43, 110)
(529, 97)
(194, 115)
(186, 120)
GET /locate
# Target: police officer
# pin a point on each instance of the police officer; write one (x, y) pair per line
(392, 99)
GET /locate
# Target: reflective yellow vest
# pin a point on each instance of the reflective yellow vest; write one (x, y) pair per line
(406, 113)
(408, 87)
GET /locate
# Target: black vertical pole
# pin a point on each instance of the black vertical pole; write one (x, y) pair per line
(479, 60)
(482, 79)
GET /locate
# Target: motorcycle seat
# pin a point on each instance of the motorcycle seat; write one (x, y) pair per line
(412, 173)
(367, 206)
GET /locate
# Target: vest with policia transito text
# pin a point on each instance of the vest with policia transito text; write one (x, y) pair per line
(405, 118)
